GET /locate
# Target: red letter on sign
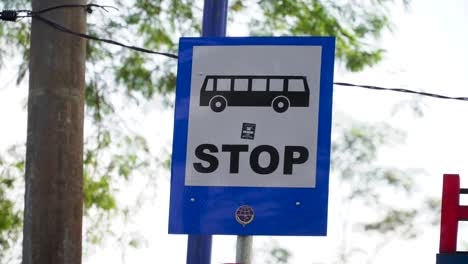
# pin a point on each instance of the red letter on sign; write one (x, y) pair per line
(452, 212)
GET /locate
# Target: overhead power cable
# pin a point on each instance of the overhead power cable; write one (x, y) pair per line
(88, 8)
(86, 36)
(13, 15)
(402, 90)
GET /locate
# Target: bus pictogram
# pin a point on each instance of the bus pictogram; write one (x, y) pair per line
(278, 92)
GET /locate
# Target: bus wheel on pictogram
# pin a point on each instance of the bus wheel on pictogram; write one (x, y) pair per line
(280, 104)
(218, 103)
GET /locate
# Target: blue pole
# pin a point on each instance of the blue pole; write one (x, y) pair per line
(214, 25)
(199, 249)
(214, 18)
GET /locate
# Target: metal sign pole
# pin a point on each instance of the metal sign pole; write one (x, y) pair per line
(244, 249)
(214, 25)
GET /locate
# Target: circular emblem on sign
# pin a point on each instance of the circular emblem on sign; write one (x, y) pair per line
(245, 215)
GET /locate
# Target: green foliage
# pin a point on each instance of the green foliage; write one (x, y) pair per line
(354, 156)
(10, 220)
(274, 253)
(393, 221)
(11, 216)
(15, 38)
(113, 159)
(367, 186)
(97, 193)
(355, 25)
(279, 256)
(134, 76)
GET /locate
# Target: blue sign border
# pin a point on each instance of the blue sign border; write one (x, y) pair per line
(211, 210)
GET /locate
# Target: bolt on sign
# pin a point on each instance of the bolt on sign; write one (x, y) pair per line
(251, 152)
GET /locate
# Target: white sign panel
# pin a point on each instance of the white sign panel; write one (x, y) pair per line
(253, 116)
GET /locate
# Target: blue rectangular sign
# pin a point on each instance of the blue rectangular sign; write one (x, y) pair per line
(251, 150)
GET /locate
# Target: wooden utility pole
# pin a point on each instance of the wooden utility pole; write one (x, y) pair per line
(54, 155)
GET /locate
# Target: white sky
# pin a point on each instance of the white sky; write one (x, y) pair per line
(428, 51)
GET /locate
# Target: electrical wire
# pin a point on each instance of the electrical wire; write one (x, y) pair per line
(13, 15)
(86, 36)
(402, 90)
(88, 8)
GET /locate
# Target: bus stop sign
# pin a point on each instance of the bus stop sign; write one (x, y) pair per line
(251, 152)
